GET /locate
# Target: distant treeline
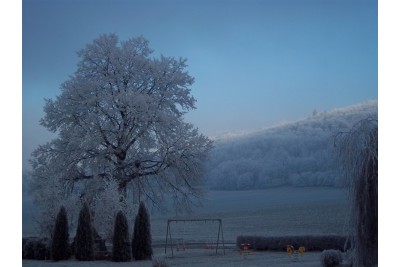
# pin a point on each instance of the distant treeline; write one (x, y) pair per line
(298, 154)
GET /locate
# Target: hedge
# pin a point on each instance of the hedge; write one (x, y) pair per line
(311, 243)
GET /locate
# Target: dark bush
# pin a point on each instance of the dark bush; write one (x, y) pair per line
(102, 256)
(59, 245)
(121, 248)
(41, 251)
(36, 249)
(99, 247)
(141, 241)
(83, 244)
(311, 243)
(24, 239)
(28, 249)
(331, 258)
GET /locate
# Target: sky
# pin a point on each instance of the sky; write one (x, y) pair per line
(255, 63)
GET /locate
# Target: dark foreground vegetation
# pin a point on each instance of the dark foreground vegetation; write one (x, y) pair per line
(88, 245)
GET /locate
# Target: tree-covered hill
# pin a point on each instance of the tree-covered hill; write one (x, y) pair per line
(299, 153)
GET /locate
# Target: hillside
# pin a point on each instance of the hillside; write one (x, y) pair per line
(300, 153)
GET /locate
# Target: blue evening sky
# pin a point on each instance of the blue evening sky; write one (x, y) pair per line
(255, 63)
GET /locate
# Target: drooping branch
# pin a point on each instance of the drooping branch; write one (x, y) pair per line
(358, 154)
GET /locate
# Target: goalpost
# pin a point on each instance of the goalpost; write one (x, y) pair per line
(181, 244)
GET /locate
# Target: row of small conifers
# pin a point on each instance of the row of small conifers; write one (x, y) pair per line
(83, 246)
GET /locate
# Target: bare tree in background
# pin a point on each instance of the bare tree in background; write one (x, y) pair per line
(120, 120)
(358, 152)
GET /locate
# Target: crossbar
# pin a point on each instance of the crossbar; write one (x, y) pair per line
(220, 232)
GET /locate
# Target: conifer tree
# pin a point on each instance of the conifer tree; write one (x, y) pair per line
(84, 237)
(141, 241)
(59, 245)
(121, 247)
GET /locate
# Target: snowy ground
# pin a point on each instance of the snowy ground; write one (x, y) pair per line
(197, 258)
(270, 212)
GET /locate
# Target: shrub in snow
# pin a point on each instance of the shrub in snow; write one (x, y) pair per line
(59, 244)
(331, 258)
(121, 247)
(36, 249)
(141, 241)
(24, 240)
(83, 244)
(41, 250)
(27, 249)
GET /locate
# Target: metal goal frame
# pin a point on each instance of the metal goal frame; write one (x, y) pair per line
(168, 236)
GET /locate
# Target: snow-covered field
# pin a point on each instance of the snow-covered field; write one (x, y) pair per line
(197, 258)
(269, 212)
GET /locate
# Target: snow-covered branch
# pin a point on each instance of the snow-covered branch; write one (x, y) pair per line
(119, 118)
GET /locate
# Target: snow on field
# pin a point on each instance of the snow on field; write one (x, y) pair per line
(197, 258)
(268, 212)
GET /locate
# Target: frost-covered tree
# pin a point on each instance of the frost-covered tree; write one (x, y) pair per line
(141, 241)
(297, 153)
(83, 243)
(120, 119)
(107, 206)
(59, 244)
(121, 250)
(358, 151)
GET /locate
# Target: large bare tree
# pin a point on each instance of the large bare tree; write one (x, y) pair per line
(120, 126)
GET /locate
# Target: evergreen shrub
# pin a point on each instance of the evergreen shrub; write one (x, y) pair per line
(121, 248)
(83, 243)
(59, 245)
(141, 241)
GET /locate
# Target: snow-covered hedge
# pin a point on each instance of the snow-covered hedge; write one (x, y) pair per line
(280, 243)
